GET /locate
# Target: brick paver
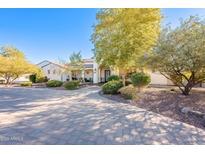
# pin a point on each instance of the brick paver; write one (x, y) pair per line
(45, 116)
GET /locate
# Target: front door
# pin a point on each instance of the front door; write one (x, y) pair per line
(107, 74)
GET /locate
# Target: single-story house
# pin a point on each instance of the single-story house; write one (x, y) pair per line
(91, 71)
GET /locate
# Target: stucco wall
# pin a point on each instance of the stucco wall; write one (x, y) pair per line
(157, 78)
(56, 73)
(23, 78)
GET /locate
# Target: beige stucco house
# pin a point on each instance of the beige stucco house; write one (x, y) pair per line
(91, 72)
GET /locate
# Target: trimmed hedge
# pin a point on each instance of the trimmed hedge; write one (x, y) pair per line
(54, 83)
(113, 77)
(71, 85)
(112, 87)
(26, 84)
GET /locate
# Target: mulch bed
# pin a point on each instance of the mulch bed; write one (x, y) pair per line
(169, 104)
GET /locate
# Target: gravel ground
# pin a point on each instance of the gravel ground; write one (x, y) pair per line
(169, 103)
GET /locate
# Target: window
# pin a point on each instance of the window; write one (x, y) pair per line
(48, 71)
(54, 71)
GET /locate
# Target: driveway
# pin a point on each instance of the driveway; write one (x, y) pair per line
(46, 116)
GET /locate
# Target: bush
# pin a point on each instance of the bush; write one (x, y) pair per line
(112, 87)
(37, 79)
(113, 77)
(26, 84)
(54, 83)
(128, 92)
(41, 79)
(32, 78)
(71, 85)
(140, 79)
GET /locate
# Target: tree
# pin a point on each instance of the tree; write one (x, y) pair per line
(75, 57)
(122, 36)
(13, 64)
(76, 62)
(180, 54)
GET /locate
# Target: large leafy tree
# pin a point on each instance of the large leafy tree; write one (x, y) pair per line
(122, 36)
(180, 54)
(13, 64)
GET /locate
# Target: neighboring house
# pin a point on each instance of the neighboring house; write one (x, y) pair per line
(22, 78)
(91, 72)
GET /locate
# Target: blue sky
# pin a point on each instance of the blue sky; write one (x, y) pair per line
(54, 34)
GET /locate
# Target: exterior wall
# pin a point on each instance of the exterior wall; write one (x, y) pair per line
(158, 79)
(56, 72)
(23, 78)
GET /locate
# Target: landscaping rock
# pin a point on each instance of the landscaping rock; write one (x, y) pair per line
(185, 110)
(197, 113)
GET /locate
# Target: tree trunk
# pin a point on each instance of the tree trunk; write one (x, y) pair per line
(123, 80)
(187, 89)
(7, 80)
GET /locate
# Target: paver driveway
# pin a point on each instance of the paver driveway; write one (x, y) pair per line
(45, 116)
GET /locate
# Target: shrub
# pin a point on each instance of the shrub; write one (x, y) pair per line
(113, 77)
(112, 87)
(26, 84)
(32, 78)
(54, 83)
(41, 79)
(128, 92)
(71, 85)
(140, 80)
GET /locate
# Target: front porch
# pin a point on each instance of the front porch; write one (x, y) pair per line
(82, 75)
(92, 75)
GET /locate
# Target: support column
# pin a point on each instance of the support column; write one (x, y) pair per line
(83, 75)
(95, 73)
